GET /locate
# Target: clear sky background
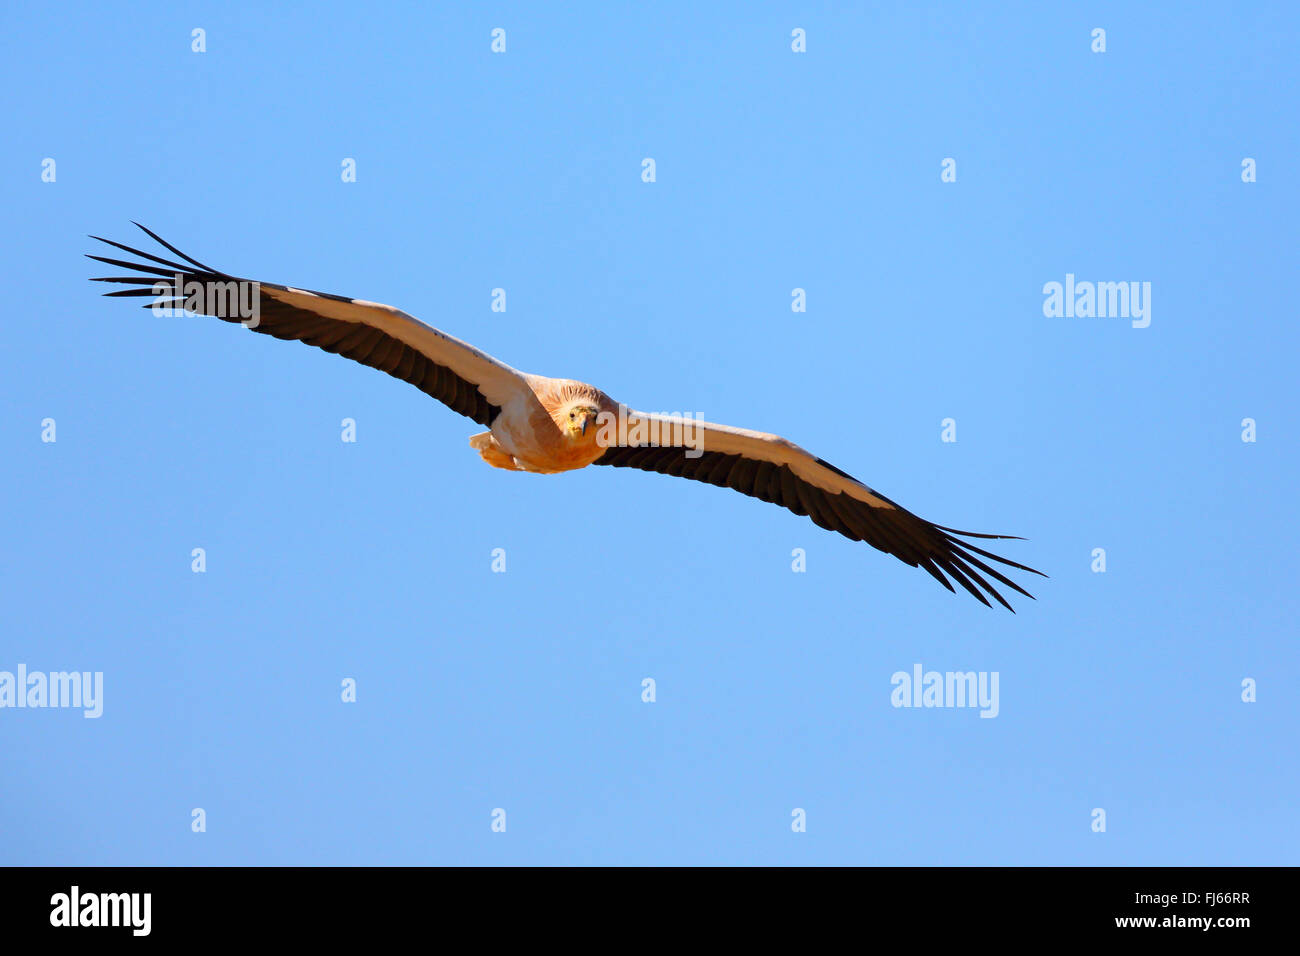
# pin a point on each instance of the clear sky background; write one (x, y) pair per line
(775, 170)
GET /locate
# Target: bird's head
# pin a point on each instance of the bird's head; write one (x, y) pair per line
(578, 421)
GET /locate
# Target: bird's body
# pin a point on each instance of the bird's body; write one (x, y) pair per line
(532, 432)
(550, 425)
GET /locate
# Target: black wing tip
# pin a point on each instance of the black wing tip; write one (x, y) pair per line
(960, 552)
(980, 534)
(166, 245)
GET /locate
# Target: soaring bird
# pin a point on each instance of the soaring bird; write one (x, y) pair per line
(550, 425)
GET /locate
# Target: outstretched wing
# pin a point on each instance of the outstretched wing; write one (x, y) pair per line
(455, 373)
(778, 471)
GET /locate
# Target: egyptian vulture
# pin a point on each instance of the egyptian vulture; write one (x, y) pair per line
(549, 425)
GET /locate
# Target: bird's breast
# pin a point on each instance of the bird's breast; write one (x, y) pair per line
(529, 434)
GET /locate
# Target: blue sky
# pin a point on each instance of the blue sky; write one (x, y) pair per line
(521, 690)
